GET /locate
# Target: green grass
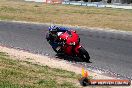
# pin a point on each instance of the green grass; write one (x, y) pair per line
(22, 74)
(119, 19)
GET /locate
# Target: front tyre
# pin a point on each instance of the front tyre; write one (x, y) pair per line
(84, 55)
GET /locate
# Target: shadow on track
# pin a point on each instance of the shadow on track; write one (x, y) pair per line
(69, 58)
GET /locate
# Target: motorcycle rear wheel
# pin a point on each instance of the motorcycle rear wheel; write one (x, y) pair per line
(84, 55)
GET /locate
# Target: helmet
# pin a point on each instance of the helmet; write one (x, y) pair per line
(53, 30)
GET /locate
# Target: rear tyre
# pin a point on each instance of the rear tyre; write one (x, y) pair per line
(84, 55)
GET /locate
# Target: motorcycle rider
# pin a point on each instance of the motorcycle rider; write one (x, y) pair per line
(52, 37)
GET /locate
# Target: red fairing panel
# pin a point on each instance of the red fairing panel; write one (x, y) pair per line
(70, 38)
(68, 50)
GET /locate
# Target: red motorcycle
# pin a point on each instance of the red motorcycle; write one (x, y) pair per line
(71, 46)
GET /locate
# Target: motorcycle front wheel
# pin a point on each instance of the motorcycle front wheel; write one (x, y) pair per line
(84, 55)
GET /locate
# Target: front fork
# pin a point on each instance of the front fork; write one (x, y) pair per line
(77, 47)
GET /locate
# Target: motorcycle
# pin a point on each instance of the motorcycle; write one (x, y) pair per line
(70, 45)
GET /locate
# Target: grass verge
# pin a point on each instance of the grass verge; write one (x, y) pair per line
(23, 74)
(66, 14)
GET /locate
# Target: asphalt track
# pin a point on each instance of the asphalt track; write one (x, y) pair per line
(109, 51)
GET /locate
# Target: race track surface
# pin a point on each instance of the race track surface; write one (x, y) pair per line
(109, 51)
